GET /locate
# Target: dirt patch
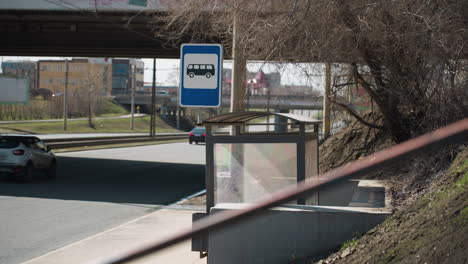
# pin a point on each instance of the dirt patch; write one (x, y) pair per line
(352, 143)
(197, 200)
(432, 229)
(407, 179)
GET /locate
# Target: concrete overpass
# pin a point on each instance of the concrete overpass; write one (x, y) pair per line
(82, 28)
(102, 28)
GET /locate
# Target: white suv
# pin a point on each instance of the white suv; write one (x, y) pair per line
(21, 155)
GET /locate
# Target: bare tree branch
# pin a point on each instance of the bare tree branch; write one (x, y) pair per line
(355, 115)
(414, 51)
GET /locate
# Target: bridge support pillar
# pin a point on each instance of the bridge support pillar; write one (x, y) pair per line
(281, 128)
(326, 101)
(178, 117)
(238, 93)
(238, 73)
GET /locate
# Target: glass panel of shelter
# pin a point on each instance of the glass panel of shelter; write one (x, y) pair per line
(248, 172)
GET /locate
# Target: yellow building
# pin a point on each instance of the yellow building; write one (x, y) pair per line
(83, 75)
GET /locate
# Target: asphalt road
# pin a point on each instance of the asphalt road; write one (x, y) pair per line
(95, 191)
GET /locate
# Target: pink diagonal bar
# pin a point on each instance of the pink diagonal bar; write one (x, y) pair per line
(452, 133)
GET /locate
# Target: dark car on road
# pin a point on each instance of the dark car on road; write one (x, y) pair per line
(197, 134)
(21, 155)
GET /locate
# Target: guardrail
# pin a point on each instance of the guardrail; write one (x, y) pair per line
(455, 132)
(96, 141)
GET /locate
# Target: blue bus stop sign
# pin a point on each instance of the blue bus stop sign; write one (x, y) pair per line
(201, 69)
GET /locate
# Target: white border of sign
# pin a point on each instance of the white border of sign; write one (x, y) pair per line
(200, 91)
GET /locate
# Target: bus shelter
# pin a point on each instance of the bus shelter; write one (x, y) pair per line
(250, 155)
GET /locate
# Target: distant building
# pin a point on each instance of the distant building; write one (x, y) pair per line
(82, 74)
(262, 84)
(299, 90)
(122, 76)
(22, 69)
(226, 82)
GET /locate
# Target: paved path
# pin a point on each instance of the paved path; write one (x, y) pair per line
(142, 231)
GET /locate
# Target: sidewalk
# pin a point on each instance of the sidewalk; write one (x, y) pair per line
(151, 227)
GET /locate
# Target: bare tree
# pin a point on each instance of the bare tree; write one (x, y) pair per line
(85, 96)
(410, 56)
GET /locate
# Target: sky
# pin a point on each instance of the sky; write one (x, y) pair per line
(298, 74)
(167, 70)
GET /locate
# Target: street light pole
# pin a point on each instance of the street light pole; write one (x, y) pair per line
(132, 111)
(65, 109)
(268, 108)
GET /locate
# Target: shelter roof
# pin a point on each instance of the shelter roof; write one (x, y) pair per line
(244, 117)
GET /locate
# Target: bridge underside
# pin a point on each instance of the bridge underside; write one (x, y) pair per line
(80, 34)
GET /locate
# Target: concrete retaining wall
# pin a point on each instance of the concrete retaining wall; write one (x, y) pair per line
(289, 233)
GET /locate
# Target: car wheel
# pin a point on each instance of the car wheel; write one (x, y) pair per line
(196, 142)
(208, 75)
(28, 172)
(52, 170)
(190, 141)
(191, 74)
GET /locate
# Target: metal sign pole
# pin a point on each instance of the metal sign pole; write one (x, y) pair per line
(132, 110)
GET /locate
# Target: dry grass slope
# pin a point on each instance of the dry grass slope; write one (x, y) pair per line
(431, 229)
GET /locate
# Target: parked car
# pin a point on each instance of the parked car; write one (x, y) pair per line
(197, 134)
(21, 155)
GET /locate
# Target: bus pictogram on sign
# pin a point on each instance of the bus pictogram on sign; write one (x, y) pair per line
(200, 69)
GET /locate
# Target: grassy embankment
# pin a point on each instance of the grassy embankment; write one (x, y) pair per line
(432, 229)
(122, 125)
(40, 109)
(107, 108)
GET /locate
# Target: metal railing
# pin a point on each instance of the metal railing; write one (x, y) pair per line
(99, 141)
(451, 133)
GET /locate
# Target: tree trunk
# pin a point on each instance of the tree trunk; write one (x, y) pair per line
(90, 111)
